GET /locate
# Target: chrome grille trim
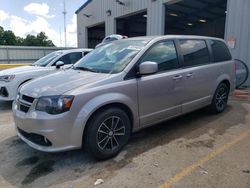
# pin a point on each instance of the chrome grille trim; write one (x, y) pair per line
(24, 105)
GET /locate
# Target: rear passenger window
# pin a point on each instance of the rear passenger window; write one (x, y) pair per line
(163, 53)
(194, 52)
(220, 51)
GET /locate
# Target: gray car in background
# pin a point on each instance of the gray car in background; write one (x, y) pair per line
(122, 87)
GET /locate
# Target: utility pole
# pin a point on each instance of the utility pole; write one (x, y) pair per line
(64, 14)
(60, 38)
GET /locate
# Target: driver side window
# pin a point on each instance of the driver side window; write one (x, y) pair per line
(71, 58)
(163, 53)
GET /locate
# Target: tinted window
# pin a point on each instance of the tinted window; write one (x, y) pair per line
(220, 51)
(71, 58)
(163, 53)
(194, 52)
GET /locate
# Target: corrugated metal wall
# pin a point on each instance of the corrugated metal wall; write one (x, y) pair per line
(22, 54)
(238, 26)
(97, 9)
(237, 23)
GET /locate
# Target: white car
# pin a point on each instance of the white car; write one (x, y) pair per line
(12, 79)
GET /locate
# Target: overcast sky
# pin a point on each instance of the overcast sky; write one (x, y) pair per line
(33, 16)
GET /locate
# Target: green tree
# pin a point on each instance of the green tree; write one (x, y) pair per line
(30, 40)
(43, 39)
(1, 30)
(9, 38)
(1, 35)
(19, 41)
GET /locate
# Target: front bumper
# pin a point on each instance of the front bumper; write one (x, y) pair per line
(8, 91)
(48, 133)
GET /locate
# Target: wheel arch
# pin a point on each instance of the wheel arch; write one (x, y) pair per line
(224, 78)
(101, 102)
(119, 105)
(226, 81)
(23, 82)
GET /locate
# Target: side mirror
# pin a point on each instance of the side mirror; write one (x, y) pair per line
(59, 64)
(148, 67)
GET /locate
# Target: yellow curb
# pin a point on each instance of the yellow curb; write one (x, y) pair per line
(7, 66)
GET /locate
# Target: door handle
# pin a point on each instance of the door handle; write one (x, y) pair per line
(189, 75)
(178, 77)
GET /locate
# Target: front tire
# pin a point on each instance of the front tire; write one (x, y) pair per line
(220, 99)
(108, 131)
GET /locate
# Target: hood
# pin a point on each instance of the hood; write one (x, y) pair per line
(60, 82)
(21, 70)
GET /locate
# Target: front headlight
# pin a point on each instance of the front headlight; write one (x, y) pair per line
(7, 78)
(54, 104)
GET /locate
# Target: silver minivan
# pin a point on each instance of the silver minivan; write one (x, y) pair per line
(123, 87)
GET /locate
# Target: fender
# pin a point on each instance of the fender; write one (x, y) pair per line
(98, 102)
(220, 79)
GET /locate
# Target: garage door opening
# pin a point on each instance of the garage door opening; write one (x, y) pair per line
(132, 26)
(95, 35)
(196, 17)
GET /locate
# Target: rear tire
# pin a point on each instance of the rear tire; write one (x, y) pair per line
(108, 131)
(220, 99)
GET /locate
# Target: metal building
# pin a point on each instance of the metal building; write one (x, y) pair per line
(228, 19)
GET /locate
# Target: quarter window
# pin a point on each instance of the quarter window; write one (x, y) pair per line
(85, 53)
(194, 52)
(220, 51)
(163, 53)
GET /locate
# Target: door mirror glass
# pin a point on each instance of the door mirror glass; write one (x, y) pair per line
(59, 64)
(148, 67)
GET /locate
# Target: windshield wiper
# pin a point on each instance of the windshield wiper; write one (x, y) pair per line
(84, 69)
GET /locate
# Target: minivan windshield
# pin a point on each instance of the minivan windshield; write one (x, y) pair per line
(44, 61)
(111, 58)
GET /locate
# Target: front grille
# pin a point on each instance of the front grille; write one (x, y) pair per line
(24, 108)
(27, 98)
(25, 102)
(4, 92)
(35, 138)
